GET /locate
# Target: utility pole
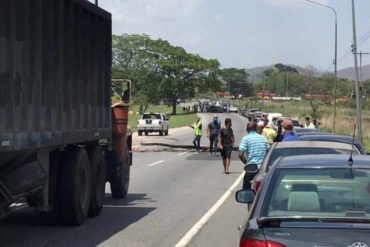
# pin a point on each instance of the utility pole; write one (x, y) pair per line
(358, 102)
(286, 87)
(335, 61)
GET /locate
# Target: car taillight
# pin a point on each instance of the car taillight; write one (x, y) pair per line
(258, 243)
(258, 184)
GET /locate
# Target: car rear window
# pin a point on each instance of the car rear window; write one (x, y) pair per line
(281, 152)
(151, 116)
(331, 192)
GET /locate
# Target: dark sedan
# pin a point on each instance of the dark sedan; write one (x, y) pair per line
(329, 137)
(311, 200)
(280, 149)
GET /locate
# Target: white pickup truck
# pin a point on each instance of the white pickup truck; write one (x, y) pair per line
(153, 122)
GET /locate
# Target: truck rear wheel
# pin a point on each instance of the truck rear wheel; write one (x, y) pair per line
(161, 132)
(140, 133)
(98, 179)
(119, 186)
(74, 186)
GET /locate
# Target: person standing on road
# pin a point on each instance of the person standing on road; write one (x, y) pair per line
(288, 134)
(197, 126)
(213, 131)
(309, 124)
(252, 150)
(226, 143)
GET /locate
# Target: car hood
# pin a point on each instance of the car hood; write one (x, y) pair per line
(345, 236)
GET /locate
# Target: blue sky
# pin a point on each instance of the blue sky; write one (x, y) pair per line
(249, 33)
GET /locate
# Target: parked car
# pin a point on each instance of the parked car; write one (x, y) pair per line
(153, 122)
(251, 113)
(292, 148)
(310, 200)
(215, 109)
(299, 131)
(330, 137)
(233, 109)
(272, 115)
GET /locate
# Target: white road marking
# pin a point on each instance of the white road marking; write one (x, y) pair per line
(156, 163)
(180, 154)
(195, 229)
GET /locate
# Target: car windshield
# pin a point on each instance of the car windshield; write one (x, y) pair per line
(281, 152)
(332, 192)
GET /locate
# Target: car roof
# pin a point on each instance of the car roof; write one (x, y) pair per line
(310, 144)
(323, 160)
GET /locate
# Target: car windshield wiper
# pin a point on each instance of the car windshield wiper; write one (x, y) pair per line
(276, 221)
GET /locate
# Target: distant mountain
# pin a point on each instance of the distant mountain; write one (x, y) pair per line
(349, 73)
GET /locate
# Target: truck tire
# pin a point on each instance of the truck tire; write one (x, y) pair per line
(98, 179)
(74, 186)
(119, 186)
(146, 133)
(166, 133)
(161, 132)
(140, 133)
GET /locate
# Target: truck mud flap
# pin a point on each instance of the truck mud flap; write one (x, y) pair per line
(27, 178)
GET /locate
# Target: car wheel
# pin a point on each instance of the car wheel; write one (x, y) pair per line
(146, 133)
(161, 132)
(140, 133)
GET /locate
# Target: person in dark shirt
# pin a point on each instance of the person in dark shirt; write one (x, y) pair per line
(213, 131)
(226, 143)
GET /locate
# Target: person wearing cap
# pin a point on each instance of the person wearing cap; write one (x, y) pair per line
(213, 131)
(252, 150)
(288, 133)
(197, 126)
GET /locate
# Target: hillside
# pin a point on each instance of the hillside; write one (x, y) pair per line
(349, 73)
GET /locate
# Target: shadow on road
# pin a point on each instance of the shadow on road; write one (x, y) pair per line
(206, 156)
(26, 228)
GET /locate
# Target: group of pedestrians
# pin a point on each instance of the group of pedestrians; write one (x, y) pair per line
(221, 139)
(253, 146)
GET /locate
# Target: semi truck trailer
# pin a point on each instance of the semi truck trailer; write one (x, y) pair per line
(61, 137)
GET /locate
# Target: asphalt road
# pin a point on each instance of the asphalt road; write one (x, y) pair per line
(169, 193)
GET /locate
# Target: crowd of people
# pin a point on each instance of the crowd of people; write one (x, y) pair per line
(253, 147)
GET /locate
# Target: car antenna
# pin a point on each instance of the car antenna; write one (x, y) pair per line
(350, 160)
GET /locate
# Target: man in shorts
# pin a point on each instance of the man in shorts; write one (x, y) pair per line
(226, 142)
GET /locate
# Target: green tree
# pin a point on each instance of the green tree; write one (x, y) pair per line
(237, 81)
(161, 70)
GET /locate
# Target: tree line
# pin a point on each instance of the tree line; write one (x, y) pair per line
(161, 71)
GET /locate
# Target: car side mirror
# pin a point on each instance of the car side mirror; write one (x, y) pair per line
(245, 196)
